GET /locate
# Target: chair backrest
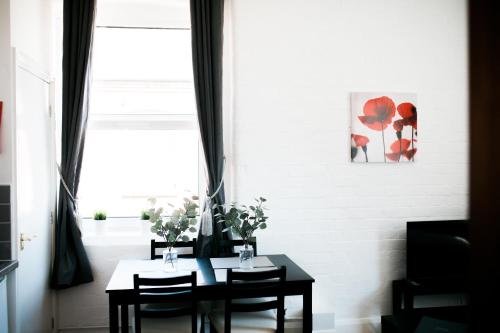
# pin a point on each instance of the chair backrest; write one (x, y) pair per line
(227, 246)
(163, 245)
(178, 290)
(255, 284)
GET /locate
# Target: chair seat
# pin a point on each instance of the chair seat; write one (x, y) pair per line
(293, 315)
(168, 325)
(204, 307)
(246, 322)
(219, 305)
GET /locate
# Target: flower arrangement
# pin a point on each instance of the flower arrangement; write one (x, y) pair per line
(172, 228)
(244, 220)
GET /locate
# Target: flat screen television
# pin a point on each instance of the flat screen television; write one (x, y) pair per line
(437, 251)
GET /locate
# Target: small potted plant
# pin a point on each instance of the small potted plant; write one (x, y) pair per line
(100, 215)
(144, 215)
(243, 221)
(172, 228)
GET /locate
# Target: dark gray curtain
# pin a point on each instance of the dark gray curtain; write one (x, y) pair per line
(206, 33)
(71, 264)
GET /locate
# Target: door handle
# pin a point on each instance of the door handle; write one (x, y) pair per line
(24, 238)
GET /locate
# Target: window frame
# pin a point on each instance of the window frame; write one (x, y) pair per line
(146, 121)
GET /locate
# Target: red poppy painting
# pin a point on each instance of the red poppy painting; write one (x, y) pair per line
(384, 127)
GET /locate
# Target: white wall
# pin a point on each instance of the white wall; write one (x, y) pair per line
(25, 25)
(5, 94)
(32, 30)
(295, 63)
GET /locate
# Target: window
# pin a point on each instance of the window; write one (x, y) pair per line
(142, 137)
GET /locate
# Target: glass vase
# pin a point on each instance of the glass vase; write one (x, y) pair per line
(246, 257)
(170, 260)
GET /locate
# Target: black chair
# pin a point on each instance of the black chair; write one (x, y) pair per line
(151, 293)
(227, 246)
(250, 302)
(163, 245)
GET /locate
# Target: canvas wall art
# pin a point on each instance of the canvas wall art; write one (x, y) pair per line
(383, 127)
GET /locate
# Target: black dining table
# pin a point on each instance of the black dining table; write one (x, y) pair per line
(121, 285)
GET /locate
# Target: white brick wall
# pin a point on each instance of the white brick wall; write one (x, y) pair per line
(295, 63)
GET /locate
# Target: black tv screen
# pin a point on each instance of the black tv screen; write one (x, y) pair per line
(437, 250)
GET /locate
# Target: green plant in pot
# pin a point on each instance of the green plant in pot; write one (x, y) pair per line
(100, 215)
(173, 228)
(243, 221)
(145, 215)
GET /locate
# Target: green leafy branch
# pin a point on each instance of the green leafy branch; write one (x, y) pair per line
(244, 220)
(172, 228)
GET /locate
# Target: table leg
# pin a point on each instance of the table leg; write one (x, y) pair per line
(124, 314)
(307, 324)
(113, 314)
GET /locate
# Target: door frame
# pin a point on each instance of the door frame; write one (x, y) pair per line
(24, 62)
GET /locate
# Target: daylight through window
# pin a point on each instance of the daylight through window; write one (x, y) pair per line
(141, 139)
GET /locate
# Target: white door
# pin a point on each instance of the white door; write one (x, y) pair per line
(34, 198)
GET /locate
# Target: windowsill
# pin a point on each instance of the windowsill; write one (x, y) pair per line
(116, 232)
(119, 231)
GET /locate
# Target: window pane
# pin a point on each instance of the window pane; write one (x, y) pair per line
(142, 71)
(122, 168)
(142, 54)
(141, 140)
(142, 97)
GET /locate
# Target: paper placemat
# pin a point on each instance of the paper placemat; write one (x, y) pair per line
(184, 264)
(162, 274)
(155, 269)
(221, 274)
(234, 262)
(188, 264)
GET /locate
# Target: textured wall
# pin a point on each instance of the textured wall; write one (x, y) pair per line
(295, 63)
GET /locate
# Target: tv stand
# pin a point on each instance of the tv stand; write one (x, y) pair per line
(405, 290)
(405, 317)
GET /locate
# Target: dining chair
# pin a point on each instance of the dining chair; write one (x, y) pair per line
(163, 245)
(179, 314)
(251, 298)
(227, 246)
(203, 306)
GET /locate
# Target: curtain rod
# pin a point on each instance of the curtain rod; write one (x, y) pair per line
(125, 27)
